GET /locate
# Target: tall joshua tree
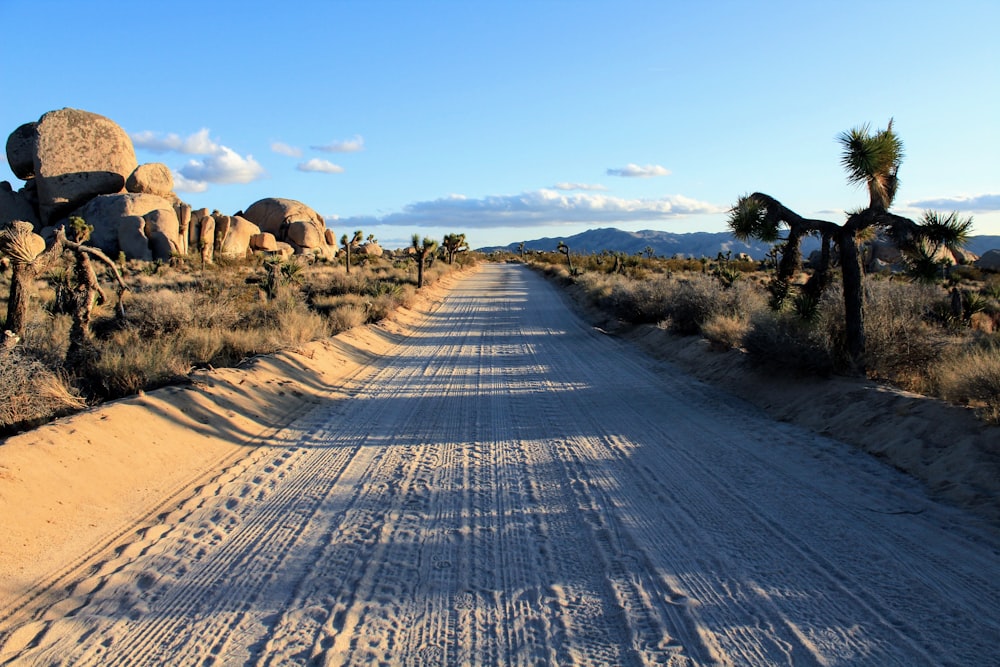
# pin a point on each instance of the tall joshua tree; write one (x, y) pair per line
(348, 243)
(454, 243)
(871, 159)
(423, 248)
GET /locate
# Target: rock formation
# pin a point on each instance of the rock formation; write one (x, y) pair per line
(78, 155)
(292, 222)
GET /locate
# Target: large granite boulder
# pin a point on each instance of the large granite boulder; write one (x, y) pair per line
(21, 151)
(990, 261)
(237, 240)
(78, 156)
(105, 212)
(132, 239)
(372, 249)
(153, 178)
(291, 222)
(264, 242)
(163, 232)
(15, 206)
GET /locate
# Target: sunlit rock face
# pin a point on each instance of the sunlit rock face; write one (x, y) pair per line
(291, 222)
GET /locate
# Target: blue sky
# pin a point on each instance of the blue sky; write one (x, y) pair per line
(516, 120)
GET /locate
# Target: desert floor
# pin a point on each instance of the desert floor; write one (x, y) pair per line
(486, 480)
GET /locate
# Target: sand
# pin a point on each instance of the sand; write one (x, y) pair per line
(487, 479)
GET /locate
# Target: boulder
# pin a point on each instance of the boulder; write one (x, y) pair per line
(964, 257)
(162, 230)
(990, 261)
(284, 250)
(264, 242)
(206, 238)
(78, 156)
(222, 223)
(153, 178)
(292, 222)
(105, 212)
(15, 206)
(183, 212)
(305, 235)
(331, 238)
(237, 241)
(132, 239)
(371, 249)
(21, 151)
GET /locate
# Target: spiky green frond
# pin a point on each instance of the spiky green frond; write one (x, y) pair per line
(873, 159)
(748, 219)
(950, 230)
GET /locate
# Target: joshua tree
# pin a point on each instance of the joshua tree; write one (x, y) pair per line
(564, 249)
(423, 248)
(88, 290)
(349, 243)
(871, 159)
(454, 243)
(27, 254)
(520, 249)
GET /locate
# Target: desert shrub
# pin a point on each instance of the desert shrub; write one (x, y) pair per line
(726, 330)
(160, 312)
(972, 375)
(783, 342)
(346, 316)
(901, 343)
(31, 393)
(127, 362)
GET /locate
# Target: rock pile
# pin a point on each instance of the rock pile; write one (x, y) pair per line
(75, 162)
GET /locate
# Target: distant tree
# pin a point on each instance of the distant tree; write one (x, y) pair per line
(871, 159)
(564, 249)
(454, 243)
(348, 243)
(520, 249)
(423, 248)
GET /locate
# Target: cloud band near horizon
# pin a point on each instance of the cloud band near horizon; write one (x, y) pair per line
(539, 207)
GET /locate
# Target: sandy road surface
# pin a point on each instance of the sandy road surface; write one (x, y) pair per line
(512, 487)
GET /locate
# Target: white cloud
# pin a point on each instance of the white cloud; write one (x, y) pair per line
(182, 184)
(592, 187)
(226, 166)
(539, 207)
(321, 166)
(198, 143)
(285, 149)
(636, 171)
(978, 204)
(346, 146)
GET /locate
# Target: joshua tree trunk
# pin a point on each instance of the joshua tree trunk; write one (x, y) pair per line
(854, 320)
(21, 280)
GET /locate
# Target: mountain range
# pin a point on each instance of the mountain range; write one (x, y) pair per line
(668, 244)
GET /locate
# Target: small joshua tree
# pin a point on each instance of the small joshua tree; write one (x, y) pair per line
(423, 248)
(454, 243)
(24, 248)
(348, 243)
(87, 291)
(564, 249)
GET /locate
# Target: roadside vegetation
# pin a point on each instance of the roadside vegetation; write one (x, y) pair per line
(173, 317)
(938, 337)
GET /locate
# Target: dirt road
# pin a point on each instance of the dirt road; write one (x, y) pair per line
(510, 486)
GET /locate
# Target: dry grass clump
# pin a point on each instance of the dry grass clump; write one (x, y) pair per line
(31, 393)
(972, 375)
(901, 339)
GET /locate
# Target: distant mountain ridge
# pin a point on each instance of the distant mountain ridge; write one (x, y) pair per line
(668, 244)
